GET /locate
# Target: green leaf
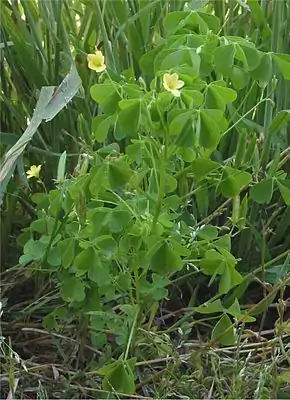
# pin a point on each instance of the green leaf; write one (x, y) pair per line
(98, 175)
(186, 154)
(228, 95)
(119, 173)
(217, 307)
(262, 191)
(106, 94)
(207, 232)
(154, 291)
(54, 257)
(202, 200)
(92, 300)
(112, 148)
(212, 21)
(117, 220)
(233, 181)
(235, 309)
(67, 250)
(238, 292)
(165, 259)
(118, 377)
(277, 272)
(210, 308)
(217, 96)
(43, 225)
(213, 263)
(177, 20)
(224, 58)
(72, 288)
(201, 167)
(178, 123)
(224, 242)
(100, 91)
(101, 125)
(99, 273)
(35, 249)
(252, 55)
(192, 98)
(280, 119)
(225, 283)
(223, 332)
(238, 78)
(283, 63)
(229, 279)
(129, 117)
(147, 61)
(170, 183)
(177, 59)
(221, 263)
(241, 57)
(196, 21)
(134, 152)
(284, 187)
(159, 281)
(85, 259)
(107, 244)
(172, 202)
(208, 131)
(264, 71)
(41, 199)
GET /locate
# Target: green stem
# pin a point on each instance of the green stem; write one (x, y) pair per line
(131, 335)
(160, 198)
(247, 113)
(163, 160)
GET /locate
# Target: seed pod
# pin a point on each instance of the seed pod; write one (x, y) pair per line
(236, 209)
(243, 213)
(250, 149)
(241, 148)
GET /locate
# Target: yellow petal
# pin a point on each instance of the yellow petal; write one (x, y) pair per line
(166, 87)
(174, 77)
(179, 84)
(96, 61)
(97, 68)
(100, 57)
(33, 172)
(171, 83)
(166, 79)
(175, 93)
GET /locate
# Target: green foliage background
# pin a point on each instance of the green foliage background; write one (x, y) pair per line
(142, 192)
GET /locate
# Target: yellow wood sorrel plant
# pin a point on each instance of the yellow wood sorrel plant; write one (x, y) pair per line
(137, 212)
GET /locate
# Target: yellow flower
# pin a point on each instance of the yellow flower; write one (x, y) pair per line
(172, 84)
(96, 61)
(33, 172)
